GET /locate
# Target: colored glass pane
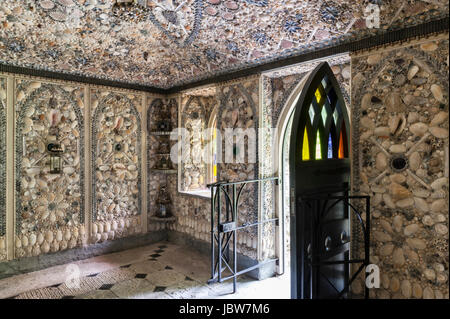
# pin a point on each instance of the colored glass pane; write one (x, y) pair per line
(335, 115)
(341, 143)
(305, 151)
(311, 113)
(318, 147)
(318, 95)
(324, 115)
(330, 147)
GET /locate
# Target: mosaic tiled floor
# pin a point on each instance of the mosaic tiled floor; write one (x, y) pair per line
(157, 271)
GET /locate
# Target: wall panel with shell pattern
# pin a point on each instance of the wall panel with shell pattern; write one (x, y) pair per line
(116, 164)
(49, 207)
(2, 168)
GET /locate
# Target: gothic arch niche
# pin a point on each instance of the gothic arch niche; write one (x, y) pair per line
(194, 168)
(49, 207)
(116, 163)
(319, 166)
(2, 168)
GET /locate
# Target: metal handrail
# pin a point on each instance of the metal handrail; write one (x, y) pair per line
(224, 232)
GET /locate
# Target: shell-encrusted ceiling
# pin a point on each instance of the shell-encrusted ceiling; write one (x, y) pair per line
(166, 43)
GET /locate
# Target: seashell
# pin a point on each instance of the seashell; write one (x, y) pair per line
(75, 233)
(412, 72)
(38, 127)
(69, 170)
(437, 92)
(33, 239)
(29, 112)
(63, 245)
(107, 227)
(100, 228)
(82, 230)
(58, 16)
(33, 171)
(114, 225)
(104, 236)
(45, 213)
(40, 239)
(24, 241)
(54, 246)
(36, 250)
(94, 229)
(59, 235)
(132, 167)
(67, 235)
(45, 247)
(41, 183)
(72, 243)
(53, 117)
(52, 217)
(49, 236)
(46, 4)
(20, 96)
(121, 223)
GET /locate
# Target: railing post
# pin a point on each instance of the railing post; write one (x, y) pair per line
(219, 237)
(234, 211)
(213, 257)
(367, 243)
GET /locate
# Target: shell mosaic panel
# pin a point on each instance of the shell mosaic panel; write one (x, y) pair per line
(116, 163)
(186, 41)
(194, 118)
(49, 206)
(400, 147)
(238, 109)
(2, 168)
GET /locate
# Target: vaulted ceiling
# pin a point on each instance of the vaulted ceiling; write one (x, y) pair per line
(166, 43)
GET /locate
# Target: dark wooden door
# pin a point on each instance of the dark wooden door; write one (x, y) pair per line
(319, 170)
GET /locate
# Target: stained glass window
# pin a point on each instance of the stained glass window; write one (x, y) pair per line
(324, 121)
(305, 151)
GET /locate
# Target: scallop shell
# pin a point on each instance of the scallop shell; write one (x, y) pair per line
(49, 236)
(67, 235)
(59, 235)
(45, 247)
(55, 246)
(40, 239)
(33, 239)
(36, 250)
(63, 245)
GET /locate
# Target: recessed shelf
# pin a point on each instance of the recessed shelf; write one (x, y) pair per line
(163, 171)
(160, 133)
(162, 219)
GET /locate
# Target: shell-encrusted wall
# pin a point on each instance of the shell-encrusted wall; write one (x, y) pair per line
(400, 159)
(116, 164)
(239, 110)
(49, 207)
(2, 168)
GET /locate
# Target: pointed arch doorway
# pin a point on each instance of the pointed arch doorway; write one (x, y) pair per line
(319, 167)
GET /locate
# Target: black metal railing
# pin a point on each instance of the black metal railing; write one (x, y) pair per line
(224, 227)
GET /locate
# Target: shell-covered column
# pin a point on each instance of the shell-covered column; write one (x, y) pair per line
(239, 111)
(49, 206)
(2, 169)
(116, 168)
